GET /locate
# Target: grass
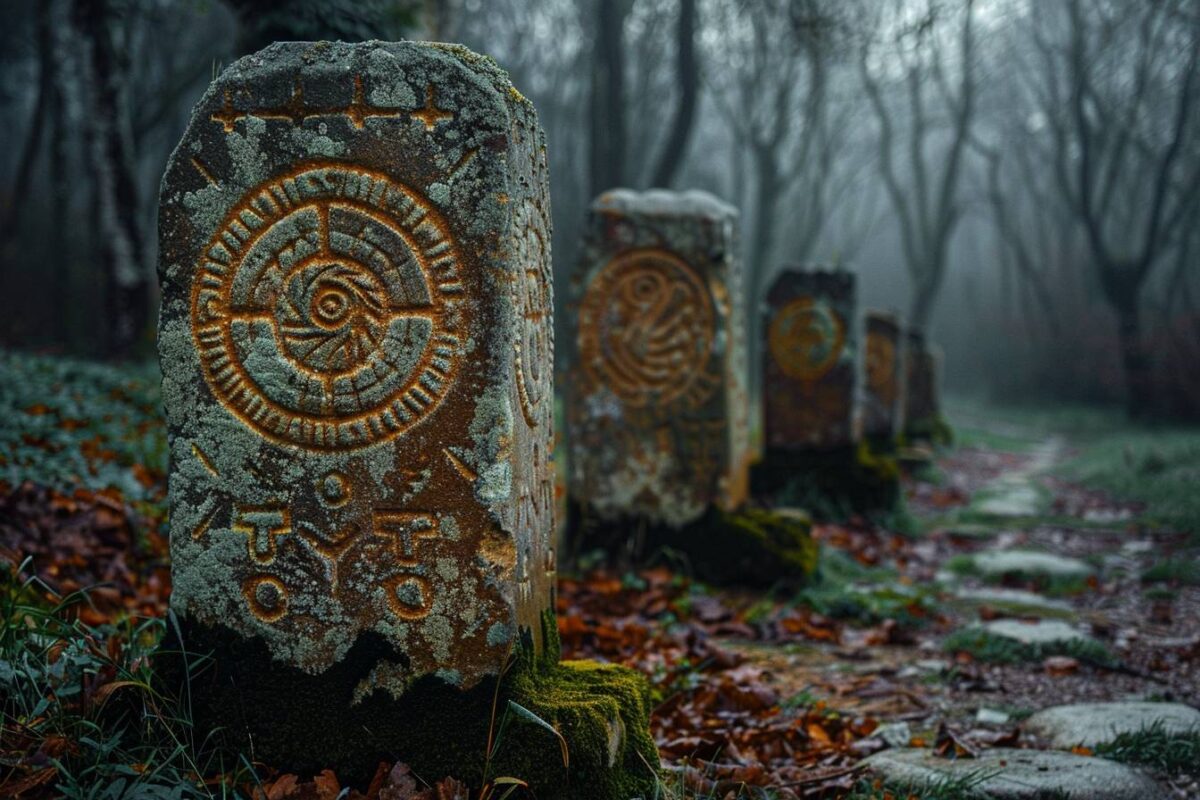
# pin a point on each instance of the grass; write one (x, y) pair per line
(1182, 570)
(1160, 468)
(81, 702)
(1155, 747)
(964, 787)
(982, 645)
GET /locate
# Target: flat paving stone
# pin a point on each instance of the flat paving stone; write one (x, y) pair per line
(1094, 724)
(1014, 601)
(1009, 774)
(1042, 632)
(1014, 500)
(994, 563)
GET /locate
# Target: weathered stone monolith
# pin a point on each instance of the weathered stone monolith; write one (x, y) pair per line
(657, 404)
(813, 454)
(356, 344)
(923, 420)
(882, 378)
(809, 361)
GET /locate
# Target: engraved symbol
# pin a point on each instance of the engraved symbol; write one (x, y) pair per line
(296, 111)
(409, 596)
(263, 526)
(430, 114)
(205, 523)
(533, 303)
(334, 489)
(320, 309)
(404, 528)
(806, 338)
(204, 171)
(881, 366)
(459, 466)
(204, 461)
(647, 328)
(266, 596)
(332, 549)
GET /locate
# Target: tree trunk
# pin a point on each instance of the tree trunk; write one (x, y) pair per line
(122, 248)
(675, 147)
(607, 122)
(1135, 361)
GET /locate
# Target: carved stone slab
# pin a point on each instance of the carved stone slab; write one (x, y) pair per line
(809, 361)
(882, 378)
(356, 345)
(921, 402)
(657, 412)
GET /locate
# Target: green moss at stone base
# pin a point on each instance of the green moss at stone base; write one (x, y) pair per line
(288, 719)
(749, 547)
(934, 430)
(833, 484)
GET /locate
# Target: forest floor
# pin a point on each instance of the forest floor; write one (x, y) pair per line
(1047, 558)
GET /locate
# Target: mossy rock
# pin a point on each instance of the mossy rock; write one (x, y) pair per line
(304, 723)
(936, 430)
(750, 547)
(863, 478)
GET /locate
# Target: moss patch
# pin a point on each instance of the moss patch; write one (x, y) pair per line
(750, 547)
(983, 645)
(934, 430)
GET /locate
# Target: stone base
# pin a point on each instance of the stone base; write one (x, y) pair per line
(751, 547)
(861, 479)
(290, 720)
(932, 430)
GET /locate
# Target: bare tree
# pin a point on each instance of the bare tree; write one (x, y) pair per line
(688, 78)
(1118, 87)
(607, 121)
(933, 73)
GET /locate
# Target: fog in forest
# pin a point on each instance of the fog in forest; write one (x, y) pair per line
(1020, 178)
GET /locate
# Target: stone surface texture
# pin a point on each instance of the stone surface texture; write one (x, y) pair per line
(882, 380)
(1094, 724)
(1009, 774)
(356, 341)
(922, 406)
(809, 366)
(657, 404)
(1041, 632)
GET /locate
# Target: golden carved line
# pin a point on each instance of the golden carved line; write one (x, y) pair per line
(466, 159)
(353, 290)
(269, 532)
(459, 467)
(297, 111)
(205, 523)
(204, 461)
(402, 609)
(204, 171)
(405, 529)
(250, 590)
(333, 549)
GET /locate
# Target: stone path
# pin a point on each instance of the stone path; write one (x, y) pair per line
(1068, 596)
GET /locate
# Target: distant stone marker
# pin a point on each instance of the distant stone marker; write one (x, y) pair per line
(809, 361)
(356, 344)
(657, 410)
(882, 378)
(922, 405)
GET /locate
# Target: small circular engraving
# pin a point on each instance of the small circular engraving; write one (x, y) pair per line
(320, 308)
(267, 597)
(806, 338)
(646, 327)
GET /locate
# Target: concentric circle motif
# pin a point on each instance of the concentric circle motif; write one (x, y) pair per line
(319, 309)
(646, 327)
(533, 304)
(806, 338)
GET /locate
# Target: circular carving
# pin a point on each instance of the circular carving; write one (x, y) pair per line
(646, 327)
(334, 489)
(267, 597)
(319, 308)
(533, 304)
(806, 338)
